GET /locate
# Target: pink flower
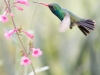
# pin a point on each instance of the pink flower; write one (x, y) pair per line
(3, 18)
(19, 8)
(8, 34)
(28, 34)
(36, 52)
(25, 2)
(25, 61)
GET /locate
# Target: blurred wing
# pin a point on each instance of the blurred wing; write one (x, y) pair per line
(65, 23)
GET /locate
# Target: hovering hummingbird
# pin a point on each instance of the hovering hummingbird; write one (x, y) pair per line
(68, 19)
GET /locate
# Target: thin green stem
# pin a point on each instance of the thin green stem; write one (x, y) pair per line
(18, 34)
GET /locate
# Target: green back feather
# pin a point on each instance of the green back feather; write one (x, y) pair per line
(60, 12)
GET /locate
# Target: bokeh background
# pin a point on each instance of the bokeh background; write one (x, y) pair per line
(68, 53)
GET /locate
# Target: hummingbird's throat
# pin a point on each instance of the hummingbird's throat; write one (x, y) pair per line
(41, 3)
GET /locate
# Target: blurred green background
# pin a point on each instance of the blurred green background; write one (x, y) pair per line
(68, 53)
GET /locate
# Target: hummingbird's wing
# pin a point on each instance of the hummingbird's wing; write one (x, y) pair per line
(65, 23)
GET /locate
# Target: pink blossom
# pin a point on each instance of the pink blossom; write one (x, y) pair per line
(19, 8)
(28, 34)
(3, 18)
(9, 33)
(36, 52)
(22, 2)
(25, 61)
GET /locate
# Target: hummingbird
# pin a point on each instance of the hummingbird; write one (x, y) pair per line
(69, 20)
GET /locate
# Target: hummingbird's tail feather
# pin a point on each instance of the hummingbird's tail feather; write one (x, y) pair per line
(84, 30)
(86, 25)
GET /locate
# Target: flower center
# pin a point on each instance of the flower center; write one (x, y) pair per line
(35, 52)
(25, 60)
(4, 17)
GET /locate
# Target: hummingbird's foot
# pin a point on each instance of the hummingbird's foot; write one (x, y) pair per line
(71, 26)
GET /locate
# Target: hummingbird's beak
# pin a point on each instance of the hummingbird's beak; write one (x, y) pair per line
(41, 3)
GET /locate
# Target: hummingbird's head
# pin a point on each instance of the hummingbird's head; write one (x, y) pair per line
(54, 7)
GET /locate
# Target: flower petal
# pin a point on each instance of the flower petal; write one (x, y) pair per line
(25, 61)
(36, 52)
(25, 2)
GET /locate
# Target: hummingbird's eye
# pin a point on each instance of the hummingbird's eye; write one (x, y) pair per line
(52, 7)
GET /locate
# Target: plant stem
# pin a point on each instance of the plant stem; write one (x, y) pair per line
(18, 35)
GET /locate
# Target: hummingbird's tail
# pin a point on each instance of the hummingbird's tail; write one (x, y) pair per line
(86, 25)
